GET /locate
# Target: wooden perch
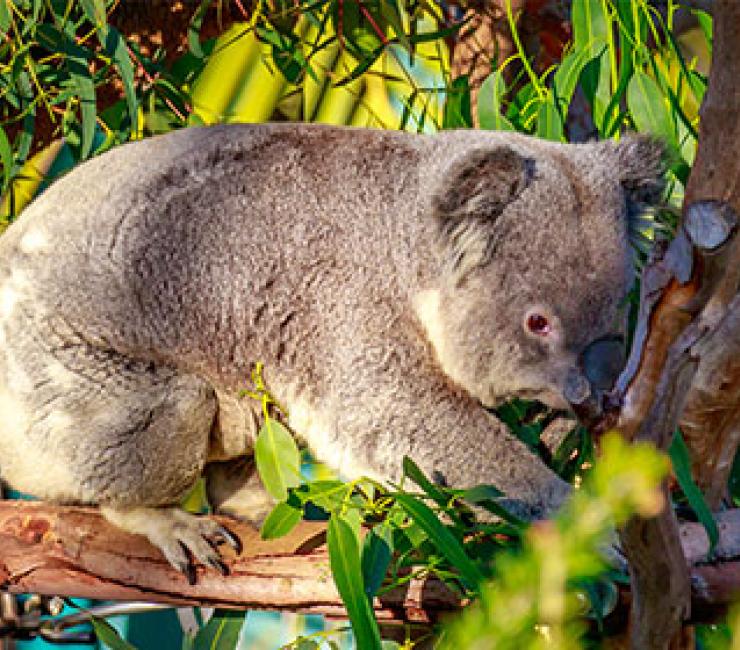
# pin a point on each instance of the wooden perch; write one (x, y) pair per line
(74, 551)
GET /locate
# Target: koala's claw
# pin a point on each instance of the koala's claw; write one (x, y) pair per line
(225, 536)
(179, 535)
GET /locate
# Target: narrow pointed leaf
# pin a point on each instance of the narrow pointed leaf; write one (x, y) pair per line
(344, 558)
(679, 454)
(443, 539)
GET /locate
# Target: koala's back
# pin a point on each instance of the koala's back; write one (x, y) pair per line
(214, 248)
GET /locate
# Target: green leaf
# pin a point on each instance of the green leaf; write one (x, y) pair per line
(278, 459)
(443, 539)
(549, 122)
(194, 29)
(679, 454)
(221, 632)
(280, 521)
(649, 108)
(411, 469)
(705, 23)
(95, 12)
(115, 46)
(457, 105)
(106, 633)
(4, 18)
(86, 93)
(490, 99)
(76, 64)
(566, 77)
(389, 11)
(344, 558)
(482, 493)
(6, 157)
(486, 496)
(377, 551)
(328, 495)
(590, 26)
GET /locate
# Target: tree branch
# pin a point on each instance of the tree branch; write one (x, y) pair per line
(74, 551)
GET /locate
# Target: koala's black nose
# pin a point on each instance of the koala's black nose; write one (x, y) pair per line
(602, 361)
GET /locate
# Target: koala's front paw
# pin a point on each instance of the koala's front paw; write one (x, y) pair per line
(177, 534)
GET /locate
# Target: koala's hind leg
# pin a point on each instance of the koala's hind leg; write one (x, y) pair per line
(96, 427)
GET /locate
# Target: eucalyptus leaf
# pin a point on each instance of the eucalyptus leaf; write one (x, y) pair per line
(6, 157)
(194, 28)
(549, 122)
(412, 471)
(281, 520)
(278, 459)
(83, 82)
(649, 108)
(5, 18)
(490, 103)
(443, 539)
(115, 46)
(377, 551)
(344, 558)
(680, 457)
(329, 495)
(221, 632)
(108, 635)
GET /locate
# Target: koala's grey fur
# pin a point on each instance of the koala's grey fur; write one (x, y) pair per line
(384, 280)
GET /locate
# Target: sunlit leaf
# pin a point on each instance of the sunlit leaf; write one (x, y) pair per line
(490, 99)
(649, 108)
(549, 122)
(344, 558)
(278, 459)
(221, 632)
(280, 521)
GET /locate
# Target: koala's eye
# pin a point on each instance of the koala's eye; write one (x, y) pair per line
(538, 324)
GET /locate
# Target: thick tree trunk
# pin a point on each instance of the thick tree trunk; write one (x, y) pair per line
(685, 365)
(711, 419)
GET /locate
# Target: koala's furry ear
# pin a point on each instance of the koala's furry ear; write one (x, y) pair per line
(476, 191)
(641, 164)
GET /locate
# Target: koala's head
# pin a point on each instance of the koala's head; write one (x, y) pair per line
(535, 264)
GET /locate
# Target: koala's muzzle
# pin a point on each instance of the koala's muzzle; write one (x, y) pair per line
(598, 367)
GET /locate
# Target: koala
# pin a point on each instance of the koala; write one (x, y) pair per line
(393, 285)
